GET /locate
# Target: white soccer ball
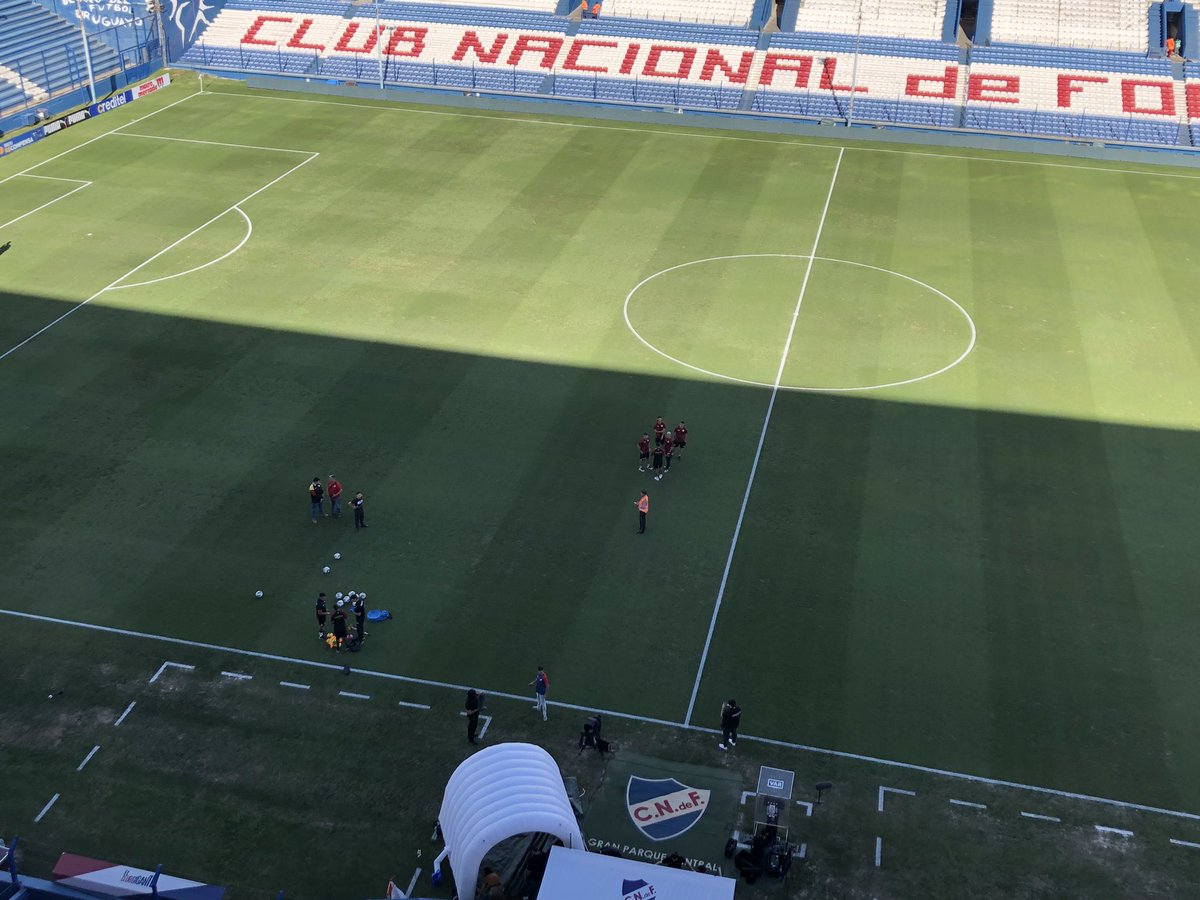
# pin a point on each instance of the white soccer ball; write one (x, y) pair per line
(337, 596)
(362, 596)
(258, 594)
(326, 570)
(337, 556)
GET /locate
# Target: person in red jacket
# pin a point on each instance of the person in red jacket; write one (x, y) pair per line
(334, 488)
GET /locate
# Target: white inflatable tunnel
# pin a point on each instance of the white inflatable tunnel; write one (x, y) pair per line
(499, 792)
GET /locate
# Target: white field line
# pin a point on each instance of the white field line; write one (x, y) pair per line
(889, 790)
(87, 759)
(746, 795)
(762, 436)
(151, 259)
(128, 710)
(52, 178)
(632, 717)
(1041, 818)
(238, 676)
(968, 804)
(97, 137)
(353, 695)
(211, 262)
(46, 808)
(44, 205)
(531, 120)
(169, 665)
(808, 808)
(163, 137)
(1104, 829)
(878, 851)
(487, 720)
(413, 705)
(1179, 843)
(412, 883)
(292, 684)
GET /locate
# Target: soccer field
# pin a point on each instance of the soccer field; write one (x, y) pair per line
(937, 505)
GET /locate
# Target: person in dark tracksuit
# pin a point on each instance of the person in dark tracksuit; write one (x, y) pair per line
(472, 710)
(731, 718)
(360, 615)
(359, 515)
(339, 624)
(322, 615)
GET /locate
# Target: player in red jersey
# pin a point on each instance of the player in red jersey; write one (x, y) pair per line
(680, 438)
(643, 452)
(668, 449)
(659, 427)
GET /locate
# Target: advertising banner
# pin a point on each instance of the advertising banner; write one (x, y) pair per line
(111, 880)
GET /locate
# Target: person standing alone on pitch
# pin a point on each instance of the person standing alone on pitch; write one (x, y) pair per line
(731, 718)
(541, 683)
(643, 452)
(643, 505)
(335, 497)
(472, 711)
(322, 615)
(316, 494)
(359, 516)
(680, 438)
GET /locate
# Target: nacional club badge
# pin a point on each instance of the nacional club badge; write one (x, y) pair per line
(663, 808)
(638, 889)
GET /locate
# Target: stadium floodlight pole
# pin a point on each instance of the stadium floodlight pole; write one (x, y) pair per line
(379, 43)
(87, 54)
(854, 70)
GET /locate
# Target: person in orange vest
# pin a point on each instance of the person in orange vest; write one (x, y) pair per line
(596, 9)
(583, 9)
(643, 506)
(1170, 46)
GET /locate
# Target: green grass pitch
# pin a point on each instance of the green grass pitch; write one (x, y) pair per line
(972, 549)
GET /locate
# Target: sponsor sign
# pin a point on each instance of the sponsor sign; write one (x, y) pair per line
(74, 118)
(664, 808)
(112, 880)
(29, 137)
(637, 889)
(108, 104)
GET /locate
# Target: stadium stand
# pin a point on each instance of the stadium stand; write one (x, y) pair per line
(714, 12)
(1098, 24)
(921, 19)
(42, 54)
(910, 79)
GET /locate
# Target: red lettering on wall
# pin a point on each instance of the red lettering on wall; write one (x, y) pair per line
(828, 71)
(947, 85)
(786, 62)
(297, 40)
(713, 60)
(1073, 84)
(996, 88)
(1166, 97)
(630, 58)
(571, 64)
(470, 41)
(687, 56)
(642, 814)
(251, 36)
(414, 37)
(547, 46)
(343, 44)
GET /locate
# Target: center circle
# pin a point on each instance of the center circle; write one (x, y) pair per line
(858, 327)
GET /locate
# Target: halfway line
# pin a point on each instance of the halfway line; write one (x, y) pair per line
(762, 436)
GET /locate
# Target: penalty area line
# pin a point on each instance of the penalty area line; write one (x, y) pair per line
(632, 717)
(113, 284)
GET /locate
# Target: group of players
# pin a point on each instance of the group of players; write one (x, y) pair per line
(668, 444)
(340, 637)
